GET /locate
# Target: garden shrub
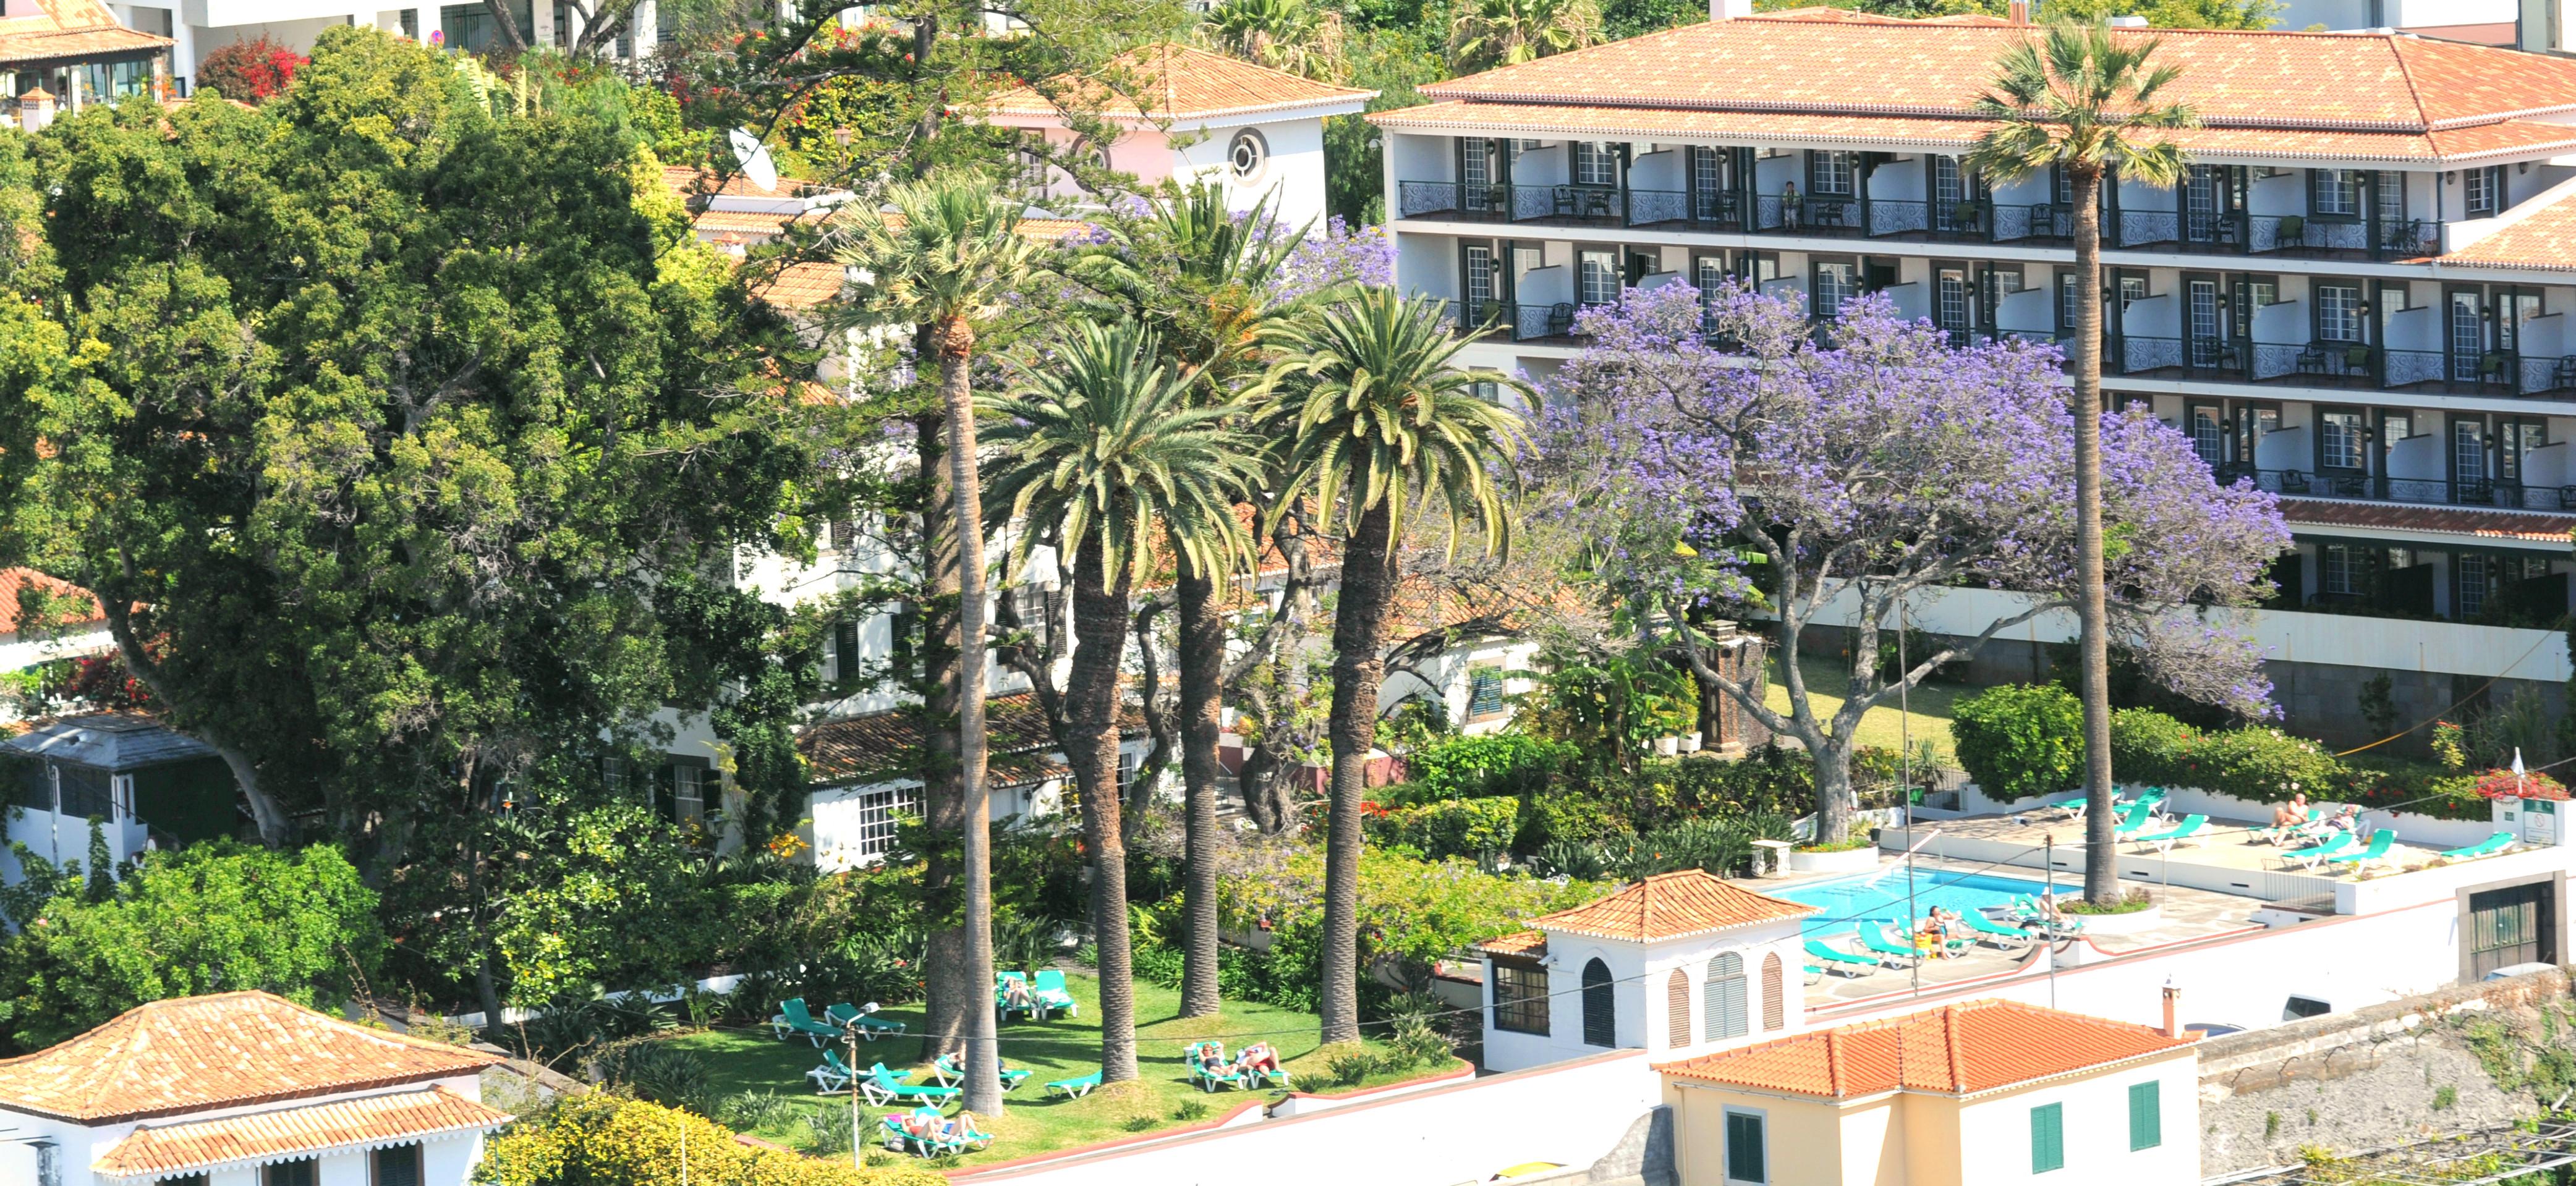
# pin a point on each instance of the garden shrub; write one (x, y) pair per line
(601, 1139)
(1571, 817)
(1473, 828)
(2149, 747)
(2020, 741)
(251, 71)
(658, 1071)
(1462, 766)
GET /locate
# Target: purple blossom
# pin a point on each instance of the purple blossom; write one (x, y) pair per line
(1337, 254)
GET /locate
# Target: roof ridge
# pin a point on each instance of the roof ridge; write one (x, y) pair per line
(1958, 1057)
(1834, 1060)
(2414, 94)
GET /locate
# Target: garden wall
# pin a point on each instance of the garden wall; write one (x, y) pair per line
(1571, 1112)
(2374, 1076)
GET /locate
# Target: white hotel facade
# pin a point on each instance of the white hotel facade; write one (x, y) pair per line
(2359, 299)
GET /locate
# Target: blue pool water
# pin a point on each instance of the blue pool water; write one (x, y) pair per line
(1846, 899)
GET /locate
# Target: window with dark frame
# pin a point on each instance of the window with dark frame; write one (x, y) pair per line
(2482, 190)
(301, 1172)
(398, 1165)
(2337, 193)
(1520, 997)
(1748, 1154)
(1600, 1006)
(1595, 164)
(1484, 691)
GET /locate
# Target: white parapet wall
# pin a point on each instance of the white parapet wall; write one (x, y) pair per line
(1571, 1113)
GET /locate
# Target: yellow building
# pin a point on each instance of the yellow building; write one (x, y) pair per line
(1979, 1093)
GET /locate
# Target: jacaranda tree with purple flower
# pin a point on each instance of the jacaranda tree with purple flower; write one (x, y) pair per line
(1806, 483)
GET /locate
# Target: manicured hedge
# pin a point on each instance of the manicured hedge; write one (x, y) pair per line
(2020, 741)
(600, 1139)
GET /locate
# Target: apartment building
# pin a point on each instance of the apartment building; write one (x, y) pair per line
(2358, 298)
(199, 27)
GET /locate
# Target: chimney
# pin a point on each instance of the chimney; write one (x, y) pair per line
(2173, 995)
(1727, 10)
(2018, 12)
(35, 111)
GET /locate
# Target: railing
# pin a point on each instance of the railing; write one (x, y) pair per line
(1965, 220)
(1809, 215)
(1511, 203)
(2354, 484)
(2140, 228)
(2269, 233)
(2043, 220)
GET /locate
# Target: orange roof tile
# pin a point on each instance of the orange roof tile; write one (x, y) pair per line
(1671, 906)
(1527, 944)
(1179, 82)
(2543, 241)
(194, 1053)
(879, 744)
(690, 181)
(70, 29)
(801, 285)
(1962, 1049)
(16, 583)
(1504, 604)
(2317, 81)
(2536, 526)
(338, 1127)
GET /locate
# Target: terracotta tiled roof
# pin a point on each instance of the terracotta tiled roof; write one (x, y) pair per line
(882, 744)
(1857, 17)
(740, 222)
(1670, 906)
(1956, 1050)
(802, 285)
(2508, 138)
(2544, 240)
(1503, 605)
(1178, 82)
(16, 582)
(70, 29)
(691, 181)
(2320, 81)
(2517, 525)
(1527, 944)
(341, 1126)
(194, 1053)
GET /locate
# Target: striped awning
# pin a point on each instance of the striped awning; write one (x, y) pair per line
(342, 1126)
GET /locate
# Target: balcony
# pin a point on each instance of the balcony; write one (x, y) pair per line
(2340, 366)
(1547, 324)
(2277, 235)
(2356, 486)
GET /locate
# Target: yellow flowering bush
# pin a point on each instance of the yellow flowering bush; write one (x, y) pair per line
(605, 1140)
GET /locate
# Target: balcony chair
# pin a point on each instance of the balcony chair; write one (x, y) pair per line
(1560, 319)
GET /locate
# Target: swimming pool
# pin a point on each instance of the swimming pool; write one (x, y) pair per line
(1846, 900)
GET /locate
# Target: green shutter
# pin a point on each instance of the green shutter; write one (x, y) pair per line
(1744, 1151)
(2146, 1116)
(2047, 1138)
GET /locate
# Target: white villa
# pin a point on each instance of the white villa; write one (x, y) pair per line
(242, 1089)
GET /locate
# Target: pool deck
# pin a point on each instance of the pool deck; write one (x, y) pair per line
(2187, 914)
(2226, 843)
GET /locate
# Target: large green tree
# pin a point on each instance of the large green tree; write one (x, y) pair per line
(2085, 101)
(378, 421)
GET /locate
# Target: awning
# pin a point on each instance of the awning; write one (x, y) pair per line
(343, 1126)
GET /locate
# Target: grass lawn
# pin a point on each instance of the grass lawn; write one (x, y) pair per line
(1162, 1097)
(1826, 677)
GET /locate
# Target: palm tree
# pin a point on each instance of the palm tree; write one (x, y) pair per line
(1379, 418)
(1108, 451)
(1509, 32)
(1285, 35)
(1205, 280)
(2075, 102)
(944, 259)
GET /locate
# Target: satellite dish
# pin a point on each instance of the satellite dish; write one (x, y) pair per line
(754, 156)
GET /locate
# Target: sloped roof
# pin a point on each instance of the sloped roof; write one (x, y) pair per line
(109, 741)
(1526, 944)
(1956, 1050)
(2320, 81)
(340, 1126)
(880, 744)
(1672, 906)
(63, 30)
(191, 1054)
(1505, 603)
(2536, 527)
(16, 583)
(1180, 82)
(2543, 241)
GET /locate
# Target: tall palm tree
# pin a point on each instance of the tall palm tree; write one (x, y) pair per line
(1508, 32)
(944, 259)
(1285, 35)
(2076, 101)
(1108, 451)
(1206, 281)
(1379, 420)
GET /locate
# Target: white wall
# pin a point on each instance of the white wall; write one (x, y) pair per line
(1295, 172)
(1994, 1131)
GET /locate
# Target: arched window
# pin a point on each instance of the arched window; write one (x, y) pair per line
(1725, 997)
(1600, 1014)
(1677, 1009)
(1774, 1007)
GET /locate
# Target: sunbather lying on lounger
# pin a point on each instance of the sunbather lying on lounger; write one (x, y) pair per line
(1258, 1058)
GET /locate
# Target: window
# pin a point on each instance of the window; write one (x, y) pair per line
(2390, 195)
(290, 1173)
(1600, 1009)
(1484, 691)
(2208, 434)
(1520, 998)
(1725, 996)
(1951, 297)
(879, 812)
(2338, 313)
(2146, 1116)
(120, 793)
(1834, 284)
(2132, 288)
(1677, 1027)
(1829, 174)
(195, 1179)
(2484, 188)
(411, 24)
(845, 655)
(1248, 156)
(1595, 163)
(1946, 187)
(2343, 570)
(2469, 450)
(1598, 277)
(2471, 575)
(470, 27)
(1712, 285)
(83, 791)
(1774, 1005)
(2505, 927)
(685, 782)
(2047, 1138)
(1479, 267)
(2067, 306)
(1748, 1153)
(397, 1166)
(2337, 193)
(2339, 440)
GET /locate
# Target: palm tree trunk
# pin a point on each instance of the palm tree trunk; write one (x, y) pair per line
(1202, 653)
(2101, 876)
(1091, 748)
(983, 1045)
(1368, 580)
(947, 992)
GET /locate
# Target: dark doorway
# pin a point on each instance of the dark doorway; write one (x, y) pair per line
(2513, 925)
